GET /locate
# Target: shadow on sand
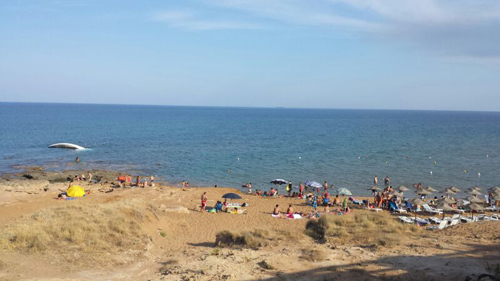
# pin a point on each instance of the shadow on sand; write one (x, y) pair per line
(457, 265)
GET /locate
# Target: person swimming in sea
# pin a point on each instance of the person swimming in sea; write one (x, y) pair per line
(387, 180)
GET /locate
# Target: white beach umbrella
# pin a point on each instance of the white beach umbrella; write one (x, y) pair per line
(473, 199)
(475, 188)
(448, 191)
(429, 188)
(475, 192)
(403, 188)
(445, 207)
(475, 207)
(423, 192)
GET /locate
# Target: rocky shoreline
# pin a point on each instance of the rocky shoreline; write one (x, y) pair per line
(35, 179)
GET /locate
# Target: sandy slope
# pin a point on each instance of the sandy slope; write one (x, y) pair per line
(182, 245)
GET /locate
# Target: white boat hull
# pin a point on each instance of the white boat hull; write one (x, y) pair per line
(66, 145)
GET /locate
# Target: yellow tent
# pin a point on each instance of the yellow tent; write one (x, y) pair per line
(75, 191)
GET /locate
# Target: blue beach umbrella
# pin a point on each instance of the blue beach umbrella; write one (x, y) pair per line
(344, 191)
(313, 184)
(231, 196)
(279, 181)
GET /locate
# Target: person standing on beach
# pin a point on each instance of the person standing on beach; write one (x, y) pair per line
(289, 188)
(128, 180)
(138, 181)
(121, 180)
(301, 189)
(346, 209)
(203, 201)
(375, 180)
(325, 186)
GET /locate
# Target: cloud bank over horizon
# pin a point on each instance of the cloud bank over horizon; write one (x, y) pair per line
(459, 31)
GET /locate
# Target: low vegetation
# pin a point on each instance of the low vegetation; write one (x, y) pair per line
(314, 255)
(249, 239)
(266, 265)
(77, 229)
(317, 229)
(167, 267)
(360, 228)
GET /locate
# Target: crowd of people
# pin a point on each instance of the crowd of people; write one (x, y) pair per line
(383, 199)
(126, 181)
(82, 177)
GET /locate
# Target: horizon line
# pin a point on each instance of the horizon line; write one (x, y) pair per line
(254, 107)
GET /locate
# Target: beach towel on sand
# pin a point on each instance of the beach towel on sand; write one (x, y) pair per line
(293, 216)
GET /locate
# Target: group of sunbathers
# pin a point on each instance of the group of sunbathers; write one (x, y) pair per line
(126, 181)
(273, 192)
(383, 199)
(290, 213)
(82, 177)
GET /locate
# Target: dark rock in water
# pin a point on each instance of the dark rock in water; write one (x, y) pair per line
(60, 180)
(28, 176)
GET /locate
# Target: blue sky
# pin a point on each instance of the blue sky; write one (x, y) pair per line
(377, 54)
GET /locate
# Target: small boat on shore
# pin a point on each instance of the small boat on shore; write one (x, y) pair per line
(66, 145)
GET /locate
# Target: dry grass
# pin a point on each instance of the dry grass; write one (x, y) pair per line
(367, 229)
(313, 255)
(266, 265)
(250, 239)
(317, 229)
(81, 229)
(254, 239)
(168, 266)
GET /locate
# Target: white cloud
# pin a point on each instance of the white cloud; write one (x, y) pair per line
(449, 28)
(298, 12)
(189, 20)
(474, 60)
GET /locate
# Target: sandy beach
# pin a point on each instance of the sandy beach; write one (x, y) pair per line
(160, 234)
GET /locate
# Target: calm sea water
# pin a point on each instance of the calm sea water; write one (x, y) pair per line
(232, 146)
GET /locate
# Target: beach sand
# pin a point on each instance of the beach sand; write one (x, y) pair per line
(163, 236)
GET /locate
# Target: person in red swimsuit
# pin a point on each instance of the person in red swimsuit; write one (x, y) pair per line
(203, 201)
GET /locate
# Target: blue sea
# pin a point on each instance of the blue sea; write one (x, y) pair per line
(232, 146)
